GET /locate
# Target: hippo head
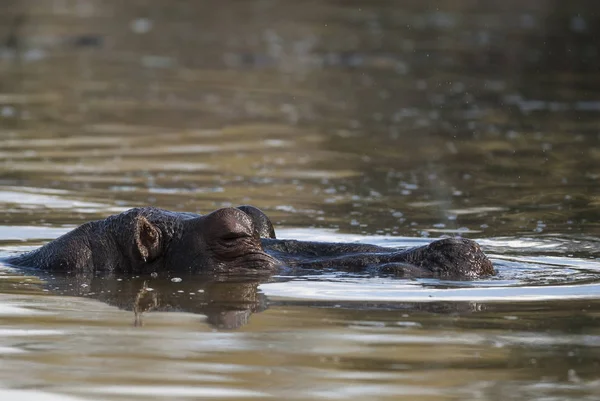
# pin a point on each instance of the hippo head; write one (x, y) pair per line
(226, 240)
(150, 239)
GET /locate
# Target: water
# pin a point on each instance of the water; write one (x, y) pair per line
(377, 122)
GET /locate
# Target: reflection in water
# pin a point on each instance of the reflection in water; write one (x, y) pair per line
(378, 118)
(436, 349)
(227, 302)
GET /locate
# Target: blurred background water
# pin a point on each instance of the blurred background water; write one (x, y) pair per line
(385, 122)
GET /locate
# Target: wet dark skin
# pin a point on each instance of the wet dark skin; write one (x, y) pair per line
(239, 241)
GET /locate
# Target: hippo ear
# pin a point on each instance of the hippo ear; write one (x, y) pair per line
(147, 239)
(261, 222)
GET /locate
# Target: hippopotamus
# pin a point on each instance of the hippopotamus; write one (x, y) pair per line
(238, 240)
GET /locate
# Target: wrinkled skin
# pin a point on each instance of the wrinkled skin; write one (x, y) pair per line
(235, 240)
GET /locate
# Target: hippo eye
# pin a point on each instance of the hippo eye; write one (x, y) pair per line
(231, 236)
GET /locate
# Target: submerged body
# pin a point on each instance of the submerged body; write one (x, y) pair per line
(235, 240)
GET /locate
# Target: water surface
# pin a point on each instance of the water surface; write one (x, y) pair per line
(376, 122)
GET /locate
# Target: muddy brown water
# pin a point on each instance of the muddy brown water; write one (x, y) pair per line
(384, 122)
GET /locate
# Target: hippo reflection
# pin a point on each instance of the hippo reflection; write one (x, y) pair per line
(226, 301)
(235, 240)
